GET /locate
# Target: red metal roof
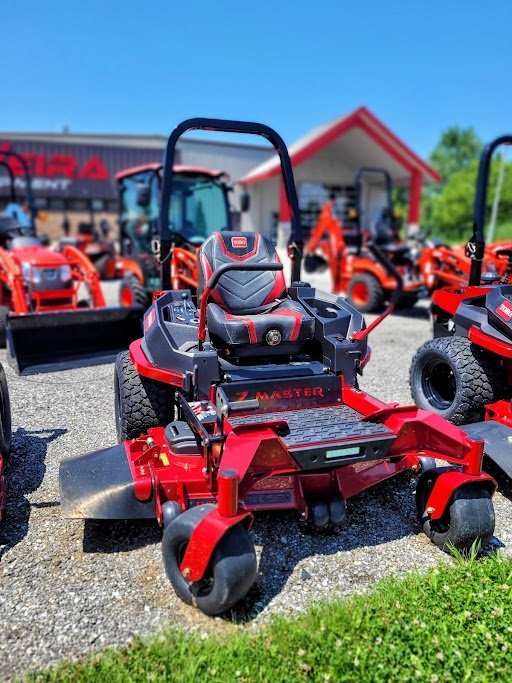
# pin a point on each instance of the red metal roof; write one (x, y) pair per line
(322, 136)
(179, 168)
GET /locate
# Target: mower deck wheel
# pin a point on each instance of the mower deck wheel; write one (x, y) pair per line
(455, 379)
(230, 574)
(4, 312)
(365, 293)
(468, 518)
(132, 292)
(140, 402)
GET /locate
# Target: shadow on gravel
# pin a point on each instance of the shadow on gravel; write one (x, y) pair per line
(119, 536)
(383, 514)
(25, 470)
(415, 313)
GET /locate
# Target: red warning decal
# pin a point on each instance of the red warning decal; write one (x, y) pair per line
(239, 242)
(505, 311)
(149, 319)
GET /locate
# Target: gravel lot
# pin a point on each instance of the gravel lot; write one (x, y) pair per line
(69, 588)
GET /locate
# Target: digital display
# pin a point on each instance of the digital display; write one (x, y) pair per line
(342, 452)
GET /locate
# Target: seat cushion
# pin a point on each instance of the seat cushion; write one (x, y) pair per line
(288, 318)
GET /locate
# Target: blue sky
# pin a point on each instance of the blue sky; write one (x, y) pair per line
(140, 67)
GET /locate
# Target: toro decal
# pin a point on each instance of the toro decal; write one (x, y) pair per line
(505, 311)
(149, 319)
(239, 242)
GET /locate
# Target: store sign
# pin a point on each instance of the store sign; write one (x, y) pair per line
(70, 170)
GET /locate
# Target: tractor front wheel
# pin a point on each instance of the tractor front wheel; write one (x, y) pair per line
(455, 379)
(365, 293)
(5, 416)
(132, 292)
(468, 518)
(140, 402)
(231, 571)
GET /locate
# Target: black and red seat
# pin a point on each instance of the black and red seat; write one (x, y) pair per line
(250, 308)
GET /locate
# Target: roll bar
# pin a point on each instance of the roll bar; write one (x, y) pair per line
(358, 182)
(476, 245)
(229, 126)
(28, 180)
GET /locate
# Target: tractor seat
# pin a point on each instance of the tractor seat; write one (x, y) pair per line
(250, 313)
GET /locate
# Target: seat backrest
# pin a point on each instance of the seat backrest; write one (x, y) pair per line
(240, 291)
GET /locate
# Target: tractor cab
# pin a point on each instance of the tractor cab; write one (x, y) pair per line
(200, 207)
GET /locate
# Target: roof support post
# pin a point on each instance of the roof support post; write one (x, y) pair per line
(414, 202)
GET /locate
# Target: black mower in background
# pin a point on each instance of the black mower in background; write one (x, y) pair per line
(250, 402)
(465, 372)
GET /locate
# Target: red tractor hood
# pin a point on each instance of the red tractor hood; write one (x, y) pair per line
(39, 256)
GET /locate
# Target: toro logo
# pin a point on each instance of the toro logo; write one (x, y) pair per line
(505, 312)
(298, 392)
(239, 242)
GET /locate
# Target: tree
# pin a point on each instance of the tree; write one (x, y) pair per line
(455, 151)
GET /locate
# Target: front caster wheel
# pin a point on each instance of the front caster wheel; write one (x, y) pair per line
(469, 516)
(230, 574)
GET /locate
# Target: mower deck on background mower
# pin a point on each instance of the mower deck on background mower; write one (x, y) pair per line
(251, 403)
(354, 269)
(465, 372)
(53, 314)
(200, 207)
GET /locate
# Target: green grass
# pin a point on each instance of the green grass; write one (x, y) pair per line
(454, 623)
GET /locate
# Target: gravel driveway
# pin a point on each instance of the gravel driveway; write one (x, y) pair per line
(69, 588)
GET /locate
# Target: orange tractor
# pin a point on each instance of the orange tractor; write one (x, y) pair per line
(199, 208)
(53, 314)
(343, 248)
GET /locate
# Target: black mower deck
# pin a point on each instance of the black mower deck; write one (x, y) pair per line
(498, 441)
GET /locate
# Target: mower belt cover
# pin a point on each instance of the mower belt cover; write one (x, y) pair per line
(498, 442)
(47, 342)
(100, 486)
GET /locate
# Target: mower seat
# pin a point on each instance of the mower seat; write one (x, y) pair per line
(250, 313)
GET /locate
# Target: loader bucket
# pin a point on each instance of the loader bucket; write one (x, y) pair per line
(47, 342)
(99, 485)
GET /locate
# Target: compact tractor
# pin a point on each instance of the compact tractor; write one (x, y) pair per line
(251, 402)
(53, 313)
(354, 269)
(200, 206)
(465, 372)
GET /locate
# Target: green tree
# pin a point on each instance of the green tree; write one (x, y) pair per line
(455, 151)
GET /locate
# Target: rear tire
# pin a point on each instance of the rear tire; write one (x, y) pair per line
(455, 379)
(469, 516)
(106, 267)
(230, 574)
(4, 312)
(5, 415)
(132, 292)
(365, 293)
(140, 402)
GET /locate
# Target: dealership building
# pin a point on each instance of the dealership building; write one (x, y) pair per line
(72, 173)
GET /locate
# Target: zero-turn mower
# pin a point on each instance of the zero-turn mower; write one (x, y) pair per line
(200, 206)
(465, 372)
(251, 402)
(53, 313)
(354, 268)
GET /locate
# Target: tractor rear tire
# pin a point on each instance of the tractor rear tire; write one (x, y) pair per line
(4, 312)
(365, 293)
(140, 402)
(106, 266)
(455, 379)
(469, 516)
(132, 292)
(231, 571)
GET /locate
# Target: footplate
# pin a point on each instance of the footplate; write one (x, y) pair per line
(323, 437)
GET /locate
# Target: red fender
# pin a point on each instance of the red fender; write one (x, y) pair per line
(204, 540)
(446, 485)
